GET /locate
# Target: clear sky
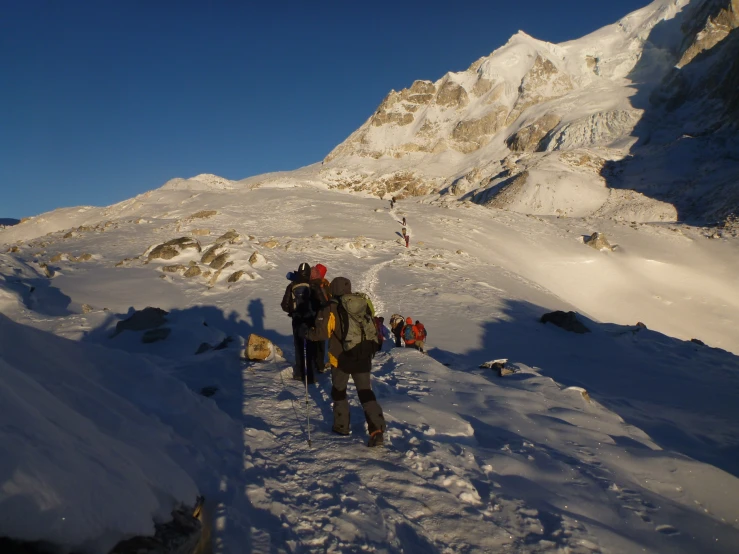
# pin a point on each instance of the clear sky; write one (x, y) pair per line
(104, 99)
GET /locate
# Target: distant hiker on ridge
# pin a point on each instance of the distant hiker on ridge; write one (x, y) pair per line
(348, 325)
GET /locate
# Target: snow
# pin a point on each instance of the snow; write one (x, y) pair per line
(644, 459)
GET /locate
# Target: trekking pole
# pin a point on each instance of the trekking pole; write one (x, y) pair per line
(305, 378)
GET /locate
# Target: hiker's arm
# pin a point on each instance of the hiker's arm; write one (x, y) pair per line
(285, 305)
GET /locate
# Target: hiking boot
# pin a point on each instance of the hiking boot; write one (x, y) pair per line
(376, 439)
(340, 432)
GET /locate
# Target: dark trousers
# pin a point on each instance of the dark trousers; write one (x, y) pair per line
(300, 360)
(397, 338)
(319, 348)
(372, 410)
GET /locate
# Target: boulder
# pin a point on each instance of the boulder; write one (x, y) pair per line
(163, 252)
(183, 243)
(257, 260)
(566, 320)
(229, 237)
(57, 258)
(200, 232)
(192, 271)
(260, 349)
(174, 268)
(86, 308)
(598, 241)
(210, 254)
(86, 257)
(154, 335)
(142, 320)
(235, 276)
(219, 262)
(271, 244)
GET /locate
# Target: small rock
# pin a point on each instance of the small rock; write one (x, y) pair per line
(47, 270)
(57, 258)
(566, 320)
(271, 244)
(192, 271)
(208, 391)
(430, 265)
(70, 234)
(86, 308)
(229, 237)
(13, 250)
(203, 214)
(174, 268)
(154, 335)
(200, 232)
(141, 320)
(257, 260)
(598, 241)
(183, 243)
(236, 276)
(461, 252)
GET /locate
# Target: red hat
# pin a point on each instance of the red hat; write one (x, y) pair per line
(409, 320)
(322, 269)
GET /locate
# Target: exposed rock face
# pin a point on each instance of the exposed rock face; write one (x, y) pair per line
(475, 133)
(543, 82)
(706, 25)
(203, 214)
(192, 271)
(504, 193)
(529, 138)
(210, 254)
(236, 275)
(566, 320)
(272, 243)
(229, 237)
(257, 260)
(174, 268)
(598, 241)
(155, 335)
(452, 95)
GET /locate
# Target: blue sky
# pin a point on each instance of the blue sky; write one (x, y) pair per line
(102, 100)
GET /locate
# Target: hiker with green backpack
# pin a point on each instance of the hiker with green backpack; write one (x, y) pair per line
(348, 325)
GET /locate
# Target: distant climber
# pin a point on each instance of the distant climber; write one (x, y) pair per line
(419, 331)
(409, 337)
(403, 221)
(347, 324)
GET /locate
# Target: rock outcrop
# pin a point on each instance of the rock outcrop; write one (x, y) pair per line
(565, 320)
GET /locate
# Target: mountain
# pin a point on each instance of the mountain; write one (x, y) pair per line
(636, 121)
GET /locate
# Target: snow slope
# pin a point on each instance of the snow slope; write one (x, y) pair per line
(475, 463)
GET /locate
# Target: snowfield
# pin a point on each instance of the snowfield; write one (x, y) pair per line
(620, 440)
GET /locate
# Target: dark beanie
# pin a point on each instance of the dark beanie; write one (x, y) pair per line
(340, 286)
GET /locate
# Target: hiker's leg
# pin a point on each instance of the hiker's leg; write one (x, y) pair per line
(372, 409)
(339, 380)
(299, 369)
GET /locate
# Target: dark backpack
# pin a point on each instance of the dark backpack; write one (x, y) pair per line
(301, 300)
(408, 335)
(357, 325)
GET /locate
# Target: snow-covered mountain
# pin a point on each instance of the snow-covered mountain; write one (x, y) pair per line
(636, 121)
(622, 439)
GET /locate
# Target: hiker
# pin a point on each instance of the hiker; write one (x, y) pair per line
(382, 333)
(347, 324)
(409, 337)
(299, 303)
(396, 326)
(403, 221)
(419, 331)
(407, 240)
(320, 289)
(403, 231)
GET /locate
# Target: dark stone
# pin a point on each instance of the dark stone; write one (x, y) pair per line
(566, 320)
(204, 347)
(208, 391)
(141, 320)
(154, 335)
(698, 341)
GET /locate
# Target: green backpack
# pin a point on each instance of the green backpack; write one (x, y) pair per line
(357, 324)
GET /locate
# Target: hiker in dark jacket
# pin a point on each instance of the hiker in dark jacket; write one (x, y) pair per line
(332, 323)
(322, 294)
(300, 304)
